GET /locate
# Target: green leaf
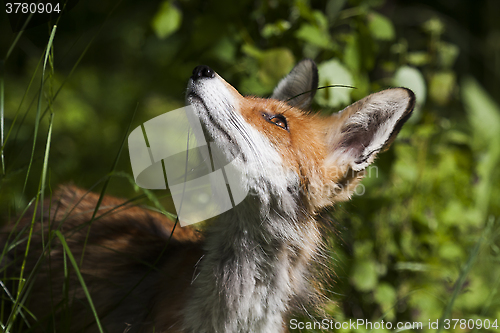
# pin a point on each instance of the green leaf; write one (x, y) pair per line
(447, 54)
(320, 20)
(412, 78)
(304, 10)
(451, 251)
(484, 113)
(364, 275)
(352, 57)
(456, 214)
(167, 20)
(441, 86)
(274, 65)
(434, 26)
(333, 72)
(275, 29)
(224, 50)
(418, 58)
(333, 8)
(314, 35)
(381, 27)
(252, 51)
(484, 116)
(476, 295)
(386, 296)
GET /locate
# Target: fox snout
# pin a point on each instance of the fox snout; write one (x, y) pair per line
(202, 71)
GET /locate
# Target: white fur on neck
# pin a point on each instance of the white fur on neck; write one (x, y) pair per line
(257, 254)
(245, 284)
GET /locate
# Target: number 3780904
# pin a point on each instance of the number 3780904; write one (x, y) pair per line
(31, 8)
(470, 324)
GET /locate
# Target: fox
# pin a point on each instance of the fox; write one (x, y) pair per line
(249, 270)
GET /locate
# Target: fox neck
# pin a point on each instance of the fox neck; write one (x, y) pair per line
(253, 265)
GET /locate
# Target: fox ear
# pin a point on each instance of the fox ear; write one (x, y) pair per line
(299, 86)
(367, 127)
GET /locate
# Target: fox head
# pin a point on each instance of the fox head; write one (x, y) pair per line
(290, 155)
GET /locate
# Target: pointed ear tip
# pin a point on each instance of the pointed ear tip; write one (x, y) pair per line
(408, 93)
(314, 74)
(309, 62)
(411, 99)
(402, 93)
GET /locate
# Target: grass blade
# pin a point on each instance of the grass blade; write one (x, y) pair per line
(80, 277)
(44, 172)
(2, 112)
(38, 111)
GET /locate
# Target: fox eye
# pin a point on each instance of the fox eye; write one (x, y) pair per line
(278, 120)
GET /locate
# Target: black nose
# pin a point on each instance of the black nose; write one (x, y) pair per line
(202, 71)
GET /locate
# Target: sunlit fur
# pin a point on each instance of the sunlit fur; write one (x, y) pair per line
(253, 265)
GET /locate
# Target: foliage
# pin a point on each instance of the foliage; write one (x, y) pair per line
(421, 243)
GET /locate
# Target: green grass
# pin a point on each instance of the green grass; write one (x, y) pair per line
(15, 315)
